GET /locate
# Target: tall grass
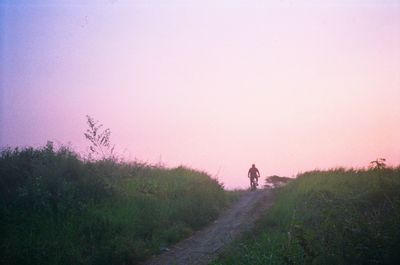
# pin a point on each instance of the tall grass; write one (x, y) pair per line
(56, 208)
(328, 217)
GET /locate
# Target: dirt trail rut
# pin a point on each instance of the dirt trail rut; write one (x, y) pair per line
(203, 246)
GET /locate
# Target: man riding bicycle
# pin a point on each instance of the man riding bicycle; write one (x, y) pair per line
(253, 174)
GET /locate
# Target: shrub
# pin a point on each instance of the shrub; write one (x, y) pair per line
(328, 217)
(56, 208)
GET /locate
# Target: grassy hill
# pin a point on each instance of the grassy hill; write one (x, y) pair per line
(56, 208)
(328, 217)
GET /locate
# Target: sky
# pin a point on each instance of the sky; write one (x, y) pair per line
(214, 85)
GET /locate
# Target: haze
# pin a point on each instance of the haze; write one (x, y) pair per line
(215, 85)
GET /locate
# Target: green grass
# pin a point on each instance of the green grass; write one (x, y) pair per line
(328, 217)
(56, 208)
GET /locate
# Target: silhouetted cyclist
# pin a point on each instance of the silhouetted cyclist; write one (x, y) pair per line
(253, 174)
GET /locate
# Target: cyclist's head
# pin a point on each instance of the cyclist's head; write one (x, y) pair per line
(253, 165)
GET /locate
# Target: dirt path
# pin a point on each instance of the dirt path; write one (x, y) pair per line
(203, 246)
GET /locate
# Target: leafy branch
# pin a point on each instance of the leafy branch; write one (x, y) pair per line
(100, 143)
(379, 163)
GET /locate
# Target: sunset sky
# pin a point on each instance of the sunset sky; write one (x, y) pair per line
(215, 85)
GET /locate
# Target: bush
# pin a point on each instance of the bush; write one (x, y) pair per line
(56, 208)
(328, 217)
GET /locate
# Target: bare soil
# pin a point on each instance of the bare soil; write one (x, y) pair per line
(205, 245)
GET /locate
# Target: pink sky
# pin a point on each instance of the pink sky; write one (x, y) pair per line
(287, 85)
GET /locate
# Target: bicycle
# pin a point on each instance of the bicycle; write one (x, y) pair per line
(253, 184)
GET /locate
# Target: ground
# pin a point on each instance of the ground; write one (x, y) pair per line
(203, 246)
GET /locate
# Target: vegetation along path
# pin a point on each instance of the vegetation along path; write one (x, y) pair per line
(203, 246)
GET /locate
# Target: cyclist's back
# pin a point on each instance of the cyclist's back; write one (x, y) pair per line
(253, 172)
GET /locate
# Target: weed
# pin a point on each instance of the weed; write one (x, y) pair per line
(328, 217)
(56, 208)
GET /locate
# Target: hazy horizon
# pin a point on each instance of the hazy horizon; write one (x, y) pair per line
(288, 85)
